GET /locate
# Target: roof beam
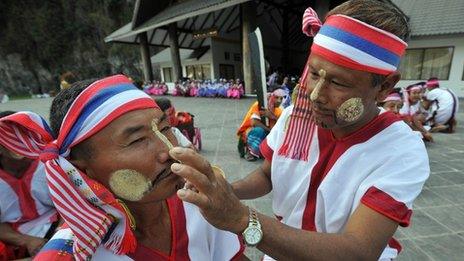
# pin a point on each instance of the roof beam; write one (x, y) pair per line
(283, 7)
(227, 18)
(194, 20)
(152, 36)
(183, 25)
(275, 22)
(215, 20)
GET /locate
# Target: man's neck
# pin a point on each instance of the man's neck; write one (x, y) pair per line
(153, 225)
(148, 214)
(346, 131)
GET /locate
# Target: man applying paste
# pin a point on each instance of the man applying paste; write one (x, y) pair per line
(345, 173)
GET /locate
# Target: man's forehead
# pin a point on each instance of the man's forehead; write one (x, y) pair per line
(318, 62)
(132, 121)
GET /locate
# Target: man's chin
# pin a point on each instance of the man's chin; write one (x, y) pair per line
(323, 124)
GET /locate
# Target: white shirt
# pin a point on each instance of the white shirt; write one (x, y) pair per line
(383, 165)
(10, 202)
(444, 104)
(181, 139)
(194, 239)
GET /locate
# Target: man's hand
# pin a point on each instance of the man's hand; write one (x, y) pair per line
(33, 244)
(268, 114)
(212, 194)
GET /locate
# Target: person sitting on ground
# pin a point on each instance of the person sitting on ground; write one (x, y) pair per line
(27, 214)
(166, 106)
(443, 106)
(110, 175)
(253, 130)
(394, 103)
(412, 97)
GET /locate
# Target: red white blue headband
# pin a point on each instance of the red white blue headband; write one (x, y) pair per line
(25, 133)
(88, 208)
(351, 43)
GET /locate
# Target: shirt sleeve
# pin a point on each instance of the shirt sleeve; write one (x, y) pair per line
(181, 139)
(226, 246)
(393, 186)
(432, 95)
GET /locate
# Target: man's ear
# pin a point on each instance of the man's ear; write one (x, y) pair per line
(387, 85)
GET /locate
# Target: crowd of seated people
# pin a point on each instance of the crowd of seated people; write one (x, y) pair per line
(425, 106)
(156, 88)
(210, 88)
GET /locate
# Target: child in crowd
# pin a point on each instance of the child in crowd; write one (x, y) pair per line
(27, 214)
(166, 106)
(442, 105)
(394, 103)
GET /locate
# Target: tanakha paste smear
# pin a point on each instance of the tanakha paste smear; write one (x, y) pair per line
(350, 110)
(129, 184)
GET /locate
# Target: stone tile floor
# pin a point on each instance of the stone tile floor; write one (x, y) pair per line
(437, 230)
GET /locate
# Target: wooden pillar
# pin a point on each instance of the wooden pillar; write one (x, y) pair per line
(248, 14)
(174, 46)
(284, 42)
(145, 53)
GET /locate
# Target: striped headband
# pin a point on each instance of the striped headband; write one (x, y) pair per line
(414, 87)
(393, 97)
(432, 83)
(25, 133)
(89, 209)
(354, 44)
(347, 42)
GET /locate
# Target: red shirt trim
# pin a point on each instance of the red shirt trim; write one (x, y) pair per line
(330, 151)
(386, 205)
(266, 151)
(22, 188)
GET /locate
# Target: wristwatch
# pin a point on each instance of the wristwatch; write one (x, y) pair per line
(253, 233)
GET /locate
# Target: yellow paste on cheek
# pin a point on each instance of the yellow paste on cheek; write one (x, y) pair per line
(351, 110)
(129, 184)
(315, 93)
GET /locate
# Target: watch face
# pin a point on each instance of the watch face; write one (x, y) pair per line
(252, 235)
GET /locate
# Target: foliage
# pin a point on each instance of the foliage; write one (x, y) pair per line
(62, 35)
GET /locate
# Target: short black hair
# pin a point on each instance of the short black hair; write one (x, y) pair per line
(6, 113)
(63, 101)
(60, 106)
(163, 103)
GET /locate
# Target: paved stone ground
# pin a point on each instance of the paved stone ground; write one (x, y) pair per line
(437, 230)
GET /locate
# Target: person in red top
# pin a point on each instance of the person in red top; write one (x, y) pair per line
(27, 214)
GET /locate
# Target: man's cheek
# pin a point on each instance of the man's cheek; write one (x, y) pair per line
(350, 110)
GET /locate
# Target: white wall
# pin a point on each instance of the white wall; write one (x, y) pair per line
(207, 58)
(220, 46)
(455, 81)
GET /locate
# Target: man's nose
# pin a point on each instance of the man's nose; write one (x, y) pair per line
(322, 97)
(163, 156)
